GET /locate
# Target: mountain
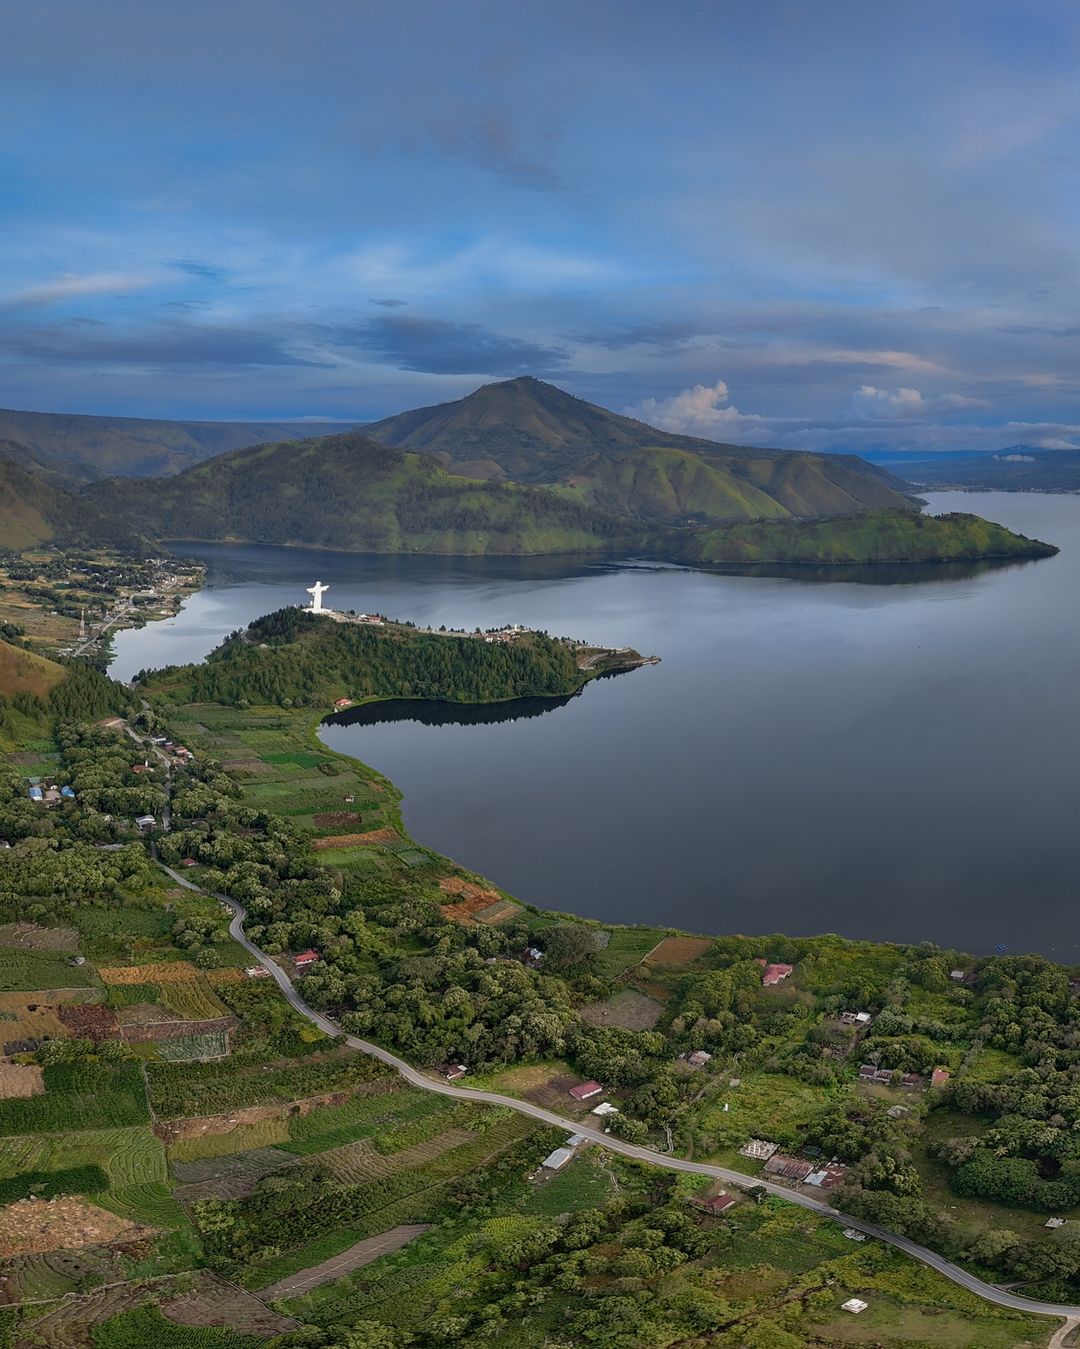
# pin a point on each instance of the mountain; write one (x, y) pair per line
(86, 448)
(532, 432)
(35, 510)
(349, 492)
(1018, 468)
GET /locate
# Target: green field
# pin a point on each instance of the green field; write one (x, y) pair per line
(79, 1096)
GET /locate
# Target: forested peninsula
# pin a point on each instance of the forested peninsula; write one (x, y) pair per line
(293, 658)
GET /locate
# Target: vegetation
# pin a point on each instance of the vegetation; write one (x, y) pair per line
(292, 657)
(34, 509)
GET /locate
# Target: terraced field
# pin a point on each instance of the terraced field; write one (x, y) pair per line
(243, 1138)
(186, 1048)
(358, 1162)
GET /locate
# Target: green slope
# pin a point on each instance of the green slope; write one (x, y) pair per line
(875, 536)
(35, 510)
(347, 492)
(24, 672)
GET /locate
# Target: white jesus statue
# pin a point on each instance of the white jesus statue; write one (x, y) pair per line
(316, 592)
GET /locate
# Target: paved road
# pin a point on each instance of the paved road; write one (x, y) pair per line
(987, 1291)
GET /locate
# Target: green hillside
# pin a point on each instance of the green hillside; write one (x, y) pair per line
(34, 510)
(24, 672)
(347, 492)
(87, 447)
(875, 536)
(529, 431)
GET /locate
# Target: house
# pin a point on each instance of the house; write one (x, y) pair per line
(140, 768)
(145, 822)
(773, 974)
(576, 1140)
(939, 1077)
(856, 1018)
(532, 955)
(305, 959)
(854, 1304)
(788, 1168)
(585, 1091)
(342, 703)
(853, 1234)
(913, 1082)
(604, 1109)
(698, 1059)
(827, 1177)
(717, 1203)
(36, 794)
(188, 862)
(257, 972)
(68, 793)
(452, 1071)
(556, 1160)
(758, 1150)
(959, 976)
(882, 1076)
(1055, 1222)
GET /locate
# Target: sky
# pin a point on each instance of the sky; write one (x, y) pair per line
(817, 225)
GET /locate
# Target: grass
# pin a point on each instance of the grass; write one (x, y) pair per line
(79, 1096)
(766, 1105)
(585, 1183)
(243, 1138)
(628, 946)
(26, 971)
(193, 999)
(144, 1326)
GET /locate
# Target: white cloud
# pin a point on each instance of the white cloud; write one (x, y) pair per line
(703, 410)
(71, 286)
(868, 401)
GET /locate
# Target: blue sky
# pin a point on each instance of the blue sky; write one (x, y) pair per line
(818, 225)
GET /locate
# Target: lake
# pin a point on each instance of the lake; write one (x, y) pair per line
(877, 755)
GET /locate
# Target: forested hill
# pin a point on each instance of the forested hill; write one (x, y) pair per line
(293, 658)
(348, 492)
(35, 510)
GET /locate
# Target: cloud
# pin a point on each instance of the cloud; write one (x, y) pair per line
(71, 286)
(178, 345)
(441, 347)
(703, 410)
(868, 401)
(203, 271)
(390, 303)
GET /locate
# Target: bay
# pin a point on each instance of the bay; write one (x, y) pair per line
(889, 754)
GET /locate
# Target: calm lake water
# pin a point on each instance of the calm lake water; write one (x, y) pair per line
(875, 755)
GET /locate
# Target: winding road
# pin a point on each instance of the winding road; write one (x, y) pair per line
(987, 1291)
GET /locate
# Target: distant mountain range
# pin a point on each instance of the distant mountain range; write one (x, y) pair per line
(1017, 468)
(82, 448)
(519, 467)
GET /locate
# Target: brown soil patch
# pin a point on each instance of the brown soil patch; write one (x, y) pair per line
(88, 1020)
(334, 819)
(160, 972)
(356, 840)
(356, 1257)
(30, 937)
(678, 951)
(146, 1014)
(20, 1080)
(213, 1302)
(554, 1094)
(226, 976)
(38, 1225)
(247, 766)
(473, 898)
(629, 1009)
(651, 990)
(212, 1125)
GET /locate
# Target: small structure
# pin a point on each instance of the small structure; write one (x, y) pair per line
(576, 1140)
(140, 768)
(257, 972)
(758, 1150)
(855, 1018)
(317, 591)
(853, 1234)
(305, 959)
(855, 1305)
(774, 974)
(788, 1168)
(77, 960)
(827, 1177)
(939, 1077)
(604, 1109)
(68, 793)
(717, 1203)
(556, 1160)
(1055, 1222)
(898, 1111)
(452, 1071)
(145, 822)
(36, 794)
(532, 956)
(585, 1091)
(188, 862)
(699, 1058)
(341, 703)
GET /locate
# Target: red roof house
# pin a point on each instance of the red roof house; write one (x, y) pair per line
(772, 974)
(939, 1077)
(305, 958)
(584, 1091)
(718, 1203)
